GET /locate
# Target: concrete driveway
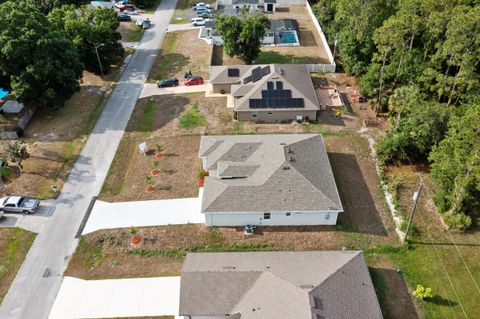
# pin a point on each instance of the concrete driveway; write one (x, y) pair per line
(151, 89)
(114, 298)
(180, 211)
(181, 27)
(32, 222)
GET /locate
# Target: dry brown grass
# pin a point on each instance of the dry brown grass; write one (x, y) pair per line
(181, 51)
(55, 138)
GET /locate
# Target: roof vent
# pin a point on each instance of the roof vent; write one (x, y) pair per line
(282, 72)
(291, 159)
(286, 167)
(289, 150)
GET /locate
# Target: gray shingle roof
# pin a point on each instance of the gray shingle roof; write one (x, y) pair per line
(330, 284)
(295, 77)
(307, 185)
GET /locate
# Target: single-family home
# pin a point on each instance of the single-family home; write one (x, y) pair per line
(268, 93)
(272, 180)
(280, 285)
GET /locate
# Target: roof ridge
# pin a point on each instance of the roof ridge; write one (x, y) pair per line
(265, 272)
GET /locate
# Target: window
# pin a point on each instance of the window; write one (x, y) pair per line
(266, 216)
(288, 213)
(254, 115)
(270, 112)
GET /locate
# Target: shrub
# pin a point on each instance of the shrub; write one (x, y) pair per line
(442, 201)
(459, 221)
(422, 293)
(392, 147)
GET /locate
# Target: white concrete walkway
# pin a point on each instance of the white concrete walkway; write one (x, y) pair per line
(180, 211)
(113, 298)
(181, 27)
(151, 89)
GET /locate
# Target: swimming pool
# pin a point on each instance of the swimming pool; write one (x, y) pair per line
(288, 38)
(3, 93)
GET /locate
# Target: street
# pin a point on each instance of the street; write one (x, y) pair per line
(37, 283)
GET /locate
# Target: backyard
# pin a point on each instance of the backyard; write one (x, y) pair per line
(14, 246)
(181, 51)
(310, 51)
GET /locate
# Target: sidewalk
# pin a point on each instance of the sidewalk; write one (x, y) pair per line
(112, 298)
(151, 89)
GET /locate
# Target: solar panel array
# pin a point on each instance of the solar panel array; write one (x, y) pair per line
(233, 72)
(257, 74)
(276, 98)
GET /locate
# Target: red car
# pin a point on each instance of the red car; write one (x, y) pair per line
(194, 80)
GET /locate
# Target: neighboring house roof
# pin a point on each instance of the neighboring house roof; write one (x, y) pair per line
(12, 107)
(301, 285)
(245, 2)
(277, 26)
(271, 86)
(270, 1)
(264, 173)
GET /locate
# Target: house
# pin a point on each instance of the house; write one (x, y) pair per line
(272, 180)
(234, 6)
(282, 32)
(280, 285)
(268, 93)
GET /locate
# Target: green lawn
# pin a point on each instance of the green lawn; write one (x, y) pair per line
(134, 33)
(192, 118)
(14, 246)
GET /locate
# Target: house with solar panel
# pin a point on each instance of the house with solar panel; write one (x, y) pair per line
(268, 93)
(271, 180)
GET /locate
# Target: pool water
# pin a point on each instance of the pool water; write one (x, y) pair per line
(3, 93)
(288, 37)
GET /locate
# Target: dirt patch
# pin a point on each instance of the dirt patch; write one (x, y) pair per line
(55, 138)
(14, 246)
(181, 51)
(130, 32)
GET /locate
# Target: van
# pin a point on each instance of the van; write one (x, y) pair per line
(198, 22)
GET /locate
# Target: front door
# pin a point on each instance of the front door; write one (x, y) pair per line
(269, 7)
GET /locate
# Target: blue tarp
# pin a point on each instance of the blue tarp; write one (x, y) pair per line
(3, 93)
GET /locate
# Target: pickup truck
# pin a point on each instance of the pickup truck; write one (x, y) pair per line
(18, 204)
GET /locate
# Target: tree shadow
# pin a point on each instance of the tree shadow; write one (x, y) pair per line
(360, 211)
(327, 117)
(268, 57)
(440, 301)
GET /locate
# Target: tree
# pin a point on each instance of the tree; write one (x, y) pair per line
(39, 62)
(456, 164)
(89, 28)
(422, 293)
(18, 152)
(242, 34)
(5, 173)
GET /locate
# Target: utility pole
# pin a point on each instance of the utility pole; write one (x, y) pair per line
(98, 57)
(416, 197)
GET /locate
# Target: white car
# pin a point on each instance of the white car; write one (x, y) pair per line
(131, 12)
(198, 22)
(201, 5)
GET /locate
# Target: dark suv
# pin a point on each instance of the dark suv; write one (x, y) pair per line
(167, 82)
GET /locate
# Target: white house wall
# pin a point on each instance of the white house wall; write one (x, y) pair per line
(276, 219)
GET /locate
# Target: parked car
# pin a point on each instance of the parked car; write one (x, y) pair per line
(201, 5)
(362, 99)
(19, 204)
(124, 17)
(198, 22)
(131, 12)
(167, 82)
(194, 80)
(204, 15)
(143, 23)
(203, 10)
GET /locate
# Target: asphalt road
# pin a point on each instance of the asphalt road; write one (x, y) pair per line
(37, 283)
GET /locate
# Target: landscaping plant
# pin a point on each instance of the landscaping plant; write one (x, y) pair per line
(149, 181)
(155, 171)
(422, 293)
(18, 152)
(158, 151)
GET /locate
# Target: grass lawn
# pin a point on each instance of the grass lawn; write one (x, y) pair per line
(130, 32)
(181, 51)
(14, 246)
(192, 117)
(443, 261)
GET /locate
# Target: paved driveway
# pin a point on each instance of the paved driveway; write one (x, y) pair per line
(32, 222)
(106, 215)
(151, 89)
(36, 285)
(114, 298)
(181, 27)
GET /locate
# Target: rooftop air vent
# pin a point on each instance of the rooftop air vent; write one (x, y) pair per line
(286, 167)
(228, 267)
(291, 159)
(306, 286)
